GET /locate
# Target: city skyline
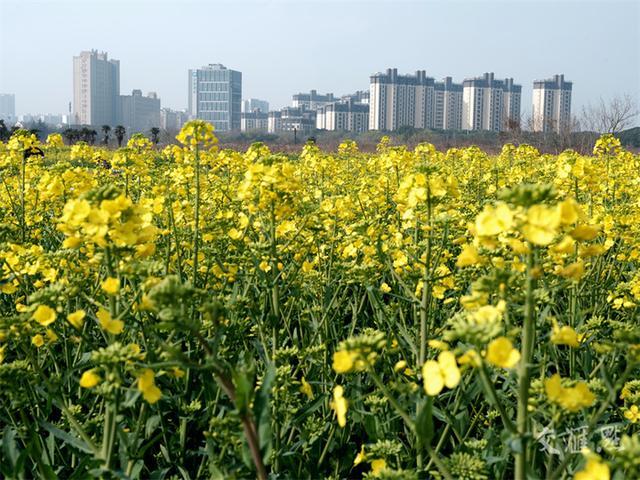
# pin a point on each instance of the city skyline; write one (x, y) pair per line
(274, 68)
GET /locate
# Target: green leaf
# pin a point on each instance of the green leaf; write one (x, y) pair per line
(9, 446)
(66, 437)
(151, 425)
(262, 413)
(243, 382)
(308, 409)
(424, 421)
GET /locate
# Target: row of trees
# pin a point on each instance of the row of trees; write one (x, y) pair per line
(89, 135)
(73, 135)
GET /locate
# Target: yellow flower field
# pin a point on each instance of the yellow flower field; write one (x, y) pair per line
(195, 312)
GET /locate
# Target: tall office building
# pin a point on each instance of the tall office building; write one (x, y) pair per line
(139, 114)
(96, 88)
(401, 100)
(487, 103)
(312, 100)
(7, 106)
(253, 104)
(552, 104)
(215, 95)
(448, 105)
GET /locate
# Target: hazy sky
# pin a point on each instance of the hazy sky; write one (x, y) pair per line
(286, 46)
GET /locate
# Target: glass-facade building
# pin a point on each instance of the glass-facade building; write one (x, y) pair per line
(215, 95)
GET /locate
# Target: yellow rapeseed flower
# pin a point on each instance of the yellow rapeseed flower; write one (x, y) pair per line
(569, 211)
(77, 319)
(71, 242)
(565, 335)
(37, 340)
(89, 379)
(501, 353)
(340, 405)
(264, 266)
(107, 323)
(377, 466)
(542, 224)
(573, 271)
(111, 285)
(585, 232)
(360, 457)
(400, 365)
(567, 246)
(594, 469)
(468, 256)
(632, 414)
(306, 388)
(571, 399)
(438, 374)
(44, 315)
(494, 220)
(146, 384)
(343, 361)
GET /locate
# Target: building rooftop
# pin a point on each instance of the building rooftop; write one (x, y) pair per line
(391, 76)
(557, 82)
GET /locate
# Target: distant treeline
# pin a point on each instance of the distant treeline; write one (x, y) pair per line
(284, 141)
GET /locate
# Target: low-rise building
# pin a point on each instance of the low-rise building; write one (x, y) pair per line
(254, 121)
(289, 119)
(172, 120)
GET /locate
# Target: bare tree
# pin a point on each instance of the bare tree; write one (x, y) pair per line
(610, 117)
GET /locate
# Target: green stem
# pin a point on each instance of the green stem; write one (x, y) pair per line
(494, 399)
(394, 403)
(425, 302)
(23, 219)
(438, 463)
(196, 216)
(528, 338)
(108, 434)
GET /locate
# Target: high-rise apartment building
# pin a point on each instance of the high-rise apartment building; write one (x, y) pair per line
(348, 116)
(487, 103)
(361, 97)
(139, 114)
(401, 100)
(511, 99)
(253, 104)
(215, 95)
(96, 88)
(552, 104)
(7, 106)
(312, 100)
(447, 105)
